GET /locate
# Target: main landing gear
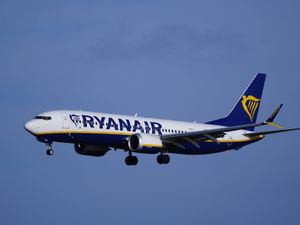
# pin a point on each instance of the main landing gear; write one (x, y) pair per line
(49, 150)
(163, 159)
(131, 160)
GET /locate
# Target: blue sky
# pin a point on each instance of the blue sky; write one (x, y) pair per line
(183, 60)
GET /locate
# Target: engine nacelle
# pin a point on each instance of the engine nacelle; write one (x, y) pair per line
(138, 142)
(91, 150)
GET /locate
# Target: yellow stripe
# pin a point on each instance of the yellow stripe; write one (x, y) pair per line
(256, 105)
(250, 106)
(84, 132)
(239, 141)
(275, 125)
(155, 146)
(251, 110)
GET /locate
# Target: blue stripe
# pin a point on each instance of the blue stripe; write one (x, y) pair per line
(120, 142)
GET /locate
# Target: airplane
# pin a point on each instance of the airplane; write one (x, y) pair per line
(94, 134)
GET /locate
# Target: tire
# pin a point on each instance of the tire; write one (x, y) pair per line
(159, 159)
(50, 152)
(166, 159)
(128, 161)
(134, 160)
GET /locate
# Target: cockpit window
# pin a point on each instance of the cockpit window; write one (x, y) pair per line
(43, 117)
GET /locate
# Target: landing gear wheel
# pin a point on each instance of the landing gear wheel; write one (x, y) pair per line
(166, 159)
(131, 160)
(163, 159)
(159, 159)
(50, 152)
(128, 161)
(134, 160)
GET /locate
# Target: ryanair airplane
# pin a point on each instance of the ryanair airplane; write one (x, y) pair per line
(94, 134)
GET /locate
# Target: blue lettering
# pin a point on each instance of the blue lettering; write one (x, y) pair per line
(147, 127)
(126, 125)
(156, 127)
(100, 121)
(88, 120)
(111, 123)
(137, 126)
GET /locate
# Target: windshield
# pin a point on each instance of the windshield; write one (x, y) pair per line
(43, 117)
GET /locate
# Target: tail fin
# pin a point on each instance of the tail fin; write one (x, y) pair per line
(246, 109)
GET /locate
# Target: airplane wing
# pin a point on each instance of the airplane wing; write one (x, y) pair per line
(213, 134)
(270, 132)
(203, 135)
(216, 133)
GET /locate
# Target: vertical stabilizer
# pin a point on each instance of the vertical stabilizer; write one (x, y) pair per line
(246, 109)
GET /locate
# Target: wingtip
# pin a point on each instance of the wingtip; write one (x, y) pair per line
(274, 114)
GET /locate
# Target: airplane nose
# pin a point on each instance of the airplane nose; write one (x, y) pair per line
(29, 126)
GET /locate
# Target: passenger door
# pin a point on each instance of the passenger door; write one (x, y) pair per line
(66, 121)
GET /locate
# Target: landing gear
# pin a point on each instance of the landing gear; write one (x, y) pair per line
(49, 150)
(131, 160)
(163, 159)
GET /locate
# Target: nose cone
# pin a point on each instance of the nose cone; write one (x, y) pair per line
(30, 127)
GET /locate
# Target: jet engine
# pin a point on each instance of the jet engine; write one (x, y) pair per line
(137, 142)
(91, 150)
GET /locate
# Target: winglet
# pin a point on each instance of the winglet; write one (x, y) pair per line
(272, 117)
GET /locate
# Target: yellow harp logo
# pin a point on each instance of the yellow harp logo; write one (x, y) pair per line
(250, 105)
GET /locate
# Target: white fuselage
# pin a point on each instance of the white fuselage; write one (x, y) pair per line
(112, 129)
(119, 124)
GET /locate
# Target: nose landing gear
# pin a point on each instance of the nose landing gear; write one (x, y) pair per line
(49, 150)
